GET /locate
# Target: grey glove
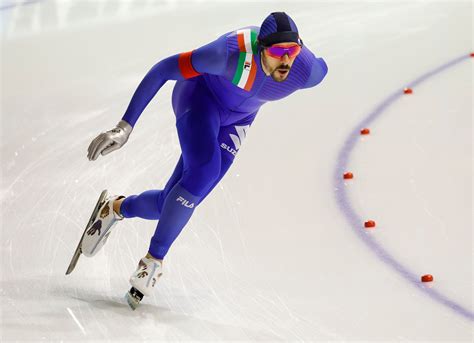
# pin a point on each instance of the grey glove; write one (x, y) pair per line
(109, 141)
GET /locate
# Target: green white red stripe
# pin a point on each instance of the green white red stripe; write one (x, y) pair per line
(244, 76)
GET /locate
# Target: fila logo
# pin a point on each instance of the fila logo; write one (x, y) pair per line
(185, 202)
(247, 65)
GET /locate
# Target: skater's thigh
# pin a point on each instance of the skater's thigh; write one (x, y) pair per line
(192, 94)
(198, 124)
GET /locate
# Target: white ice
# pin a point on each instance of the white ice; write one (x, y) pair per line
(269, 255)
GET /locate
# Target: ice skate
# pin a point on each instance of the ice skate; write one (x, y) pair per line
(143, 280)
(98, 228)
(97, 233)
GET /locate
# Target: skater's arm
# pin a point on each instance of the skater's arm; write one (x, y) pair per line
(319, 69)
(210, 58)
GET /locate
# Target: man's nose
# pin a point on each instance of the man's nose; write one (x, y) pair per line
(285, 58)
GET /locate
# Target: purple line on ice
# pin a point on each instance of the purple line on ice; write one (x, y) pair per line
(356, 222)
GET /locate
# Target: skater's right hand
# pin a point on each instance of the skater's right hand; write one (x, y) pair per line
(109, 141)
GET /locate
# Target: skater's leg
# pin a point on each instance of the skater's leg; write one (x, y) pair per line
(198, 132)
(177, 175)
(149, 204)
(143, 205)
(227, 136)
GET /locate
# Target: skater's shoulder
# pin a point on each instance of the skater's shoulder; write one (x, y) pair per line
(315, 68)
(305, 58)
(219, 56)
(252, 29)
(241, 39)
(245, 33)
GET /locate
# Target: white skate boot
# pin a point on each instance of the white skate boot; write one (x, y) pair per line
(100, 226)
(143, 280)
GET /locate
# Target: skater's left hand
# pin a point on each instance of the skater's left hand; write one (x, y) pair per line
(109, 141)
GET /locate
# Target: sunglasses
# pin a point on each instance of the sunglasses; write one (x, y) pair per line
(278, 51)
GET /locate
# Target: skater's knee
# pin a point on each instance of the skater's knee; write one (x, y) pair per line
(199, 180)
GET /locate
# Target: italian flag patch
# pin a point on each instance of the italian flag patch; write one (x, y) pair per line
(246, 67)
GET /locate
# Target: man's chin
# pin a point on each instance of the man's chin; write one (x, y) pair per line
(276, 76)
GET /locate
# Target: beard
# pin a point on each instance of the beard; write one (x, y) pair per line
(276, 76)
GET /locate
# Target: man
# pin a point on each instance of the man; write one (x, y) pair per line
(220, 88)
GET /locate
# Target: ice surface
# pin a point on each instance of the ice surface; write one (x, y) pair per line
(269, 255)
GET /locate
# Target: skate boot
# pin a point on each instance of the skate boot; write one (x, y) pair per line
(143, 280)
(100, 226)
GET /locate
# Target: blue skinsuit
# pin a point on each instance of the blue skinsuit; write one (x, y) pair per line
(219, 90)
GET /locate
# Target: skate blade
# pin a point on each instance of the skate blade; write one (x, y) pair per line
(78, 251)
(132, 301)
